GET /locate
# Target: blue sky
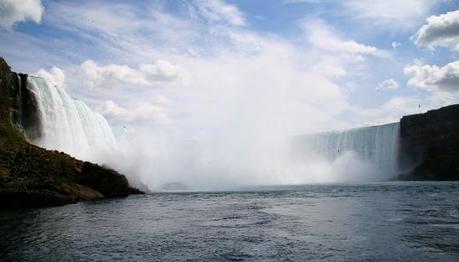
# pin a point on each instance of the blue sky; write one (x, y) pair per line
(197, 65)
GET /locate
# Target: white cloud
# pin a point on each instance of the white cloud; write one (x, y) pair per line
(113, 75)
(433, 78)
(15, 11)
(152, 111)
(92, 16)
(389, 84)
(336, 54)
(110, 76)
(322, 36)
(330, 68)
(395, 45)
(121, 30)
(441, 30)
(398, 13)
(55, 76)
(161, 70)
(219, 11)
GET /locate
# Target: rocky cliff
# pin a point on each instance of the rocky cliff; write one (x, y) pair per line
(429, 145)
(31, 176)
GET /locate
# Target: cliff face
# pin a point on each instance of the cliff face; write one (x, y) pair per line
(31, 176)
(430, 143)
(24, 107)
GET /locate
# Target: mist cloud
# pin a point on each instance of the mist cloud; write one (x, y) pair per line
(55, 76)
(199, 96)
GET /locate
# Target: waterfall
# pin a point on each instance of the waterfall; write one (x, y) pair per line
(68, 124)
(377, 145)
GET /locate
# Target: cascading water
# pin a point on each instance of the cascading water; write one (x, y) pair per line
(377, 145)
(68, 124)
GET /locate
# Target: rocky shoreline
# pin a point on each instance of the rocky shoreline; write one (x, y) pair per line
(31, 176)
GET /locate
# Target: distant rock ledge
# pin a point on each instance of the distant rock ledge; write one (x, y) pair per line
(429, 145)
(31, 176)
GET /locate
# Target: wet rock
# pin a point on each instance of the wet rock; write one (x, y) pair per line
(108, 182)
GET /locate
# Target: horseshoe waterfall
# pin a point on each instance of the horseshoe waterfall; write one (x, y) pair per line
(377, 145)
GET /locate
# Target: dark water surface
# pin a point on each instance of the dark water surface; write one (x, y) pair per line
(387, 221)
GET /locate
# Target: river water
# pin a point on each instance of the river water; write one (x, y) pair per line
(393, 221)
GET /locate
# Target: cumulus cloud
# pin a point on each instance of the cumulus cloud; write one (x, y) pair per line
(109, 76)
(433, 78)
(14, 11)
(113, 75)
(161, 70)
(55, 76)
(441, 30)
(389, 84)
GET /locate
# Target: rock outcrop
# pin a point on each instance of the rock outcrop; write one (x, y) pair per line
(106, 181)
(31, 176)
(429, 145)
